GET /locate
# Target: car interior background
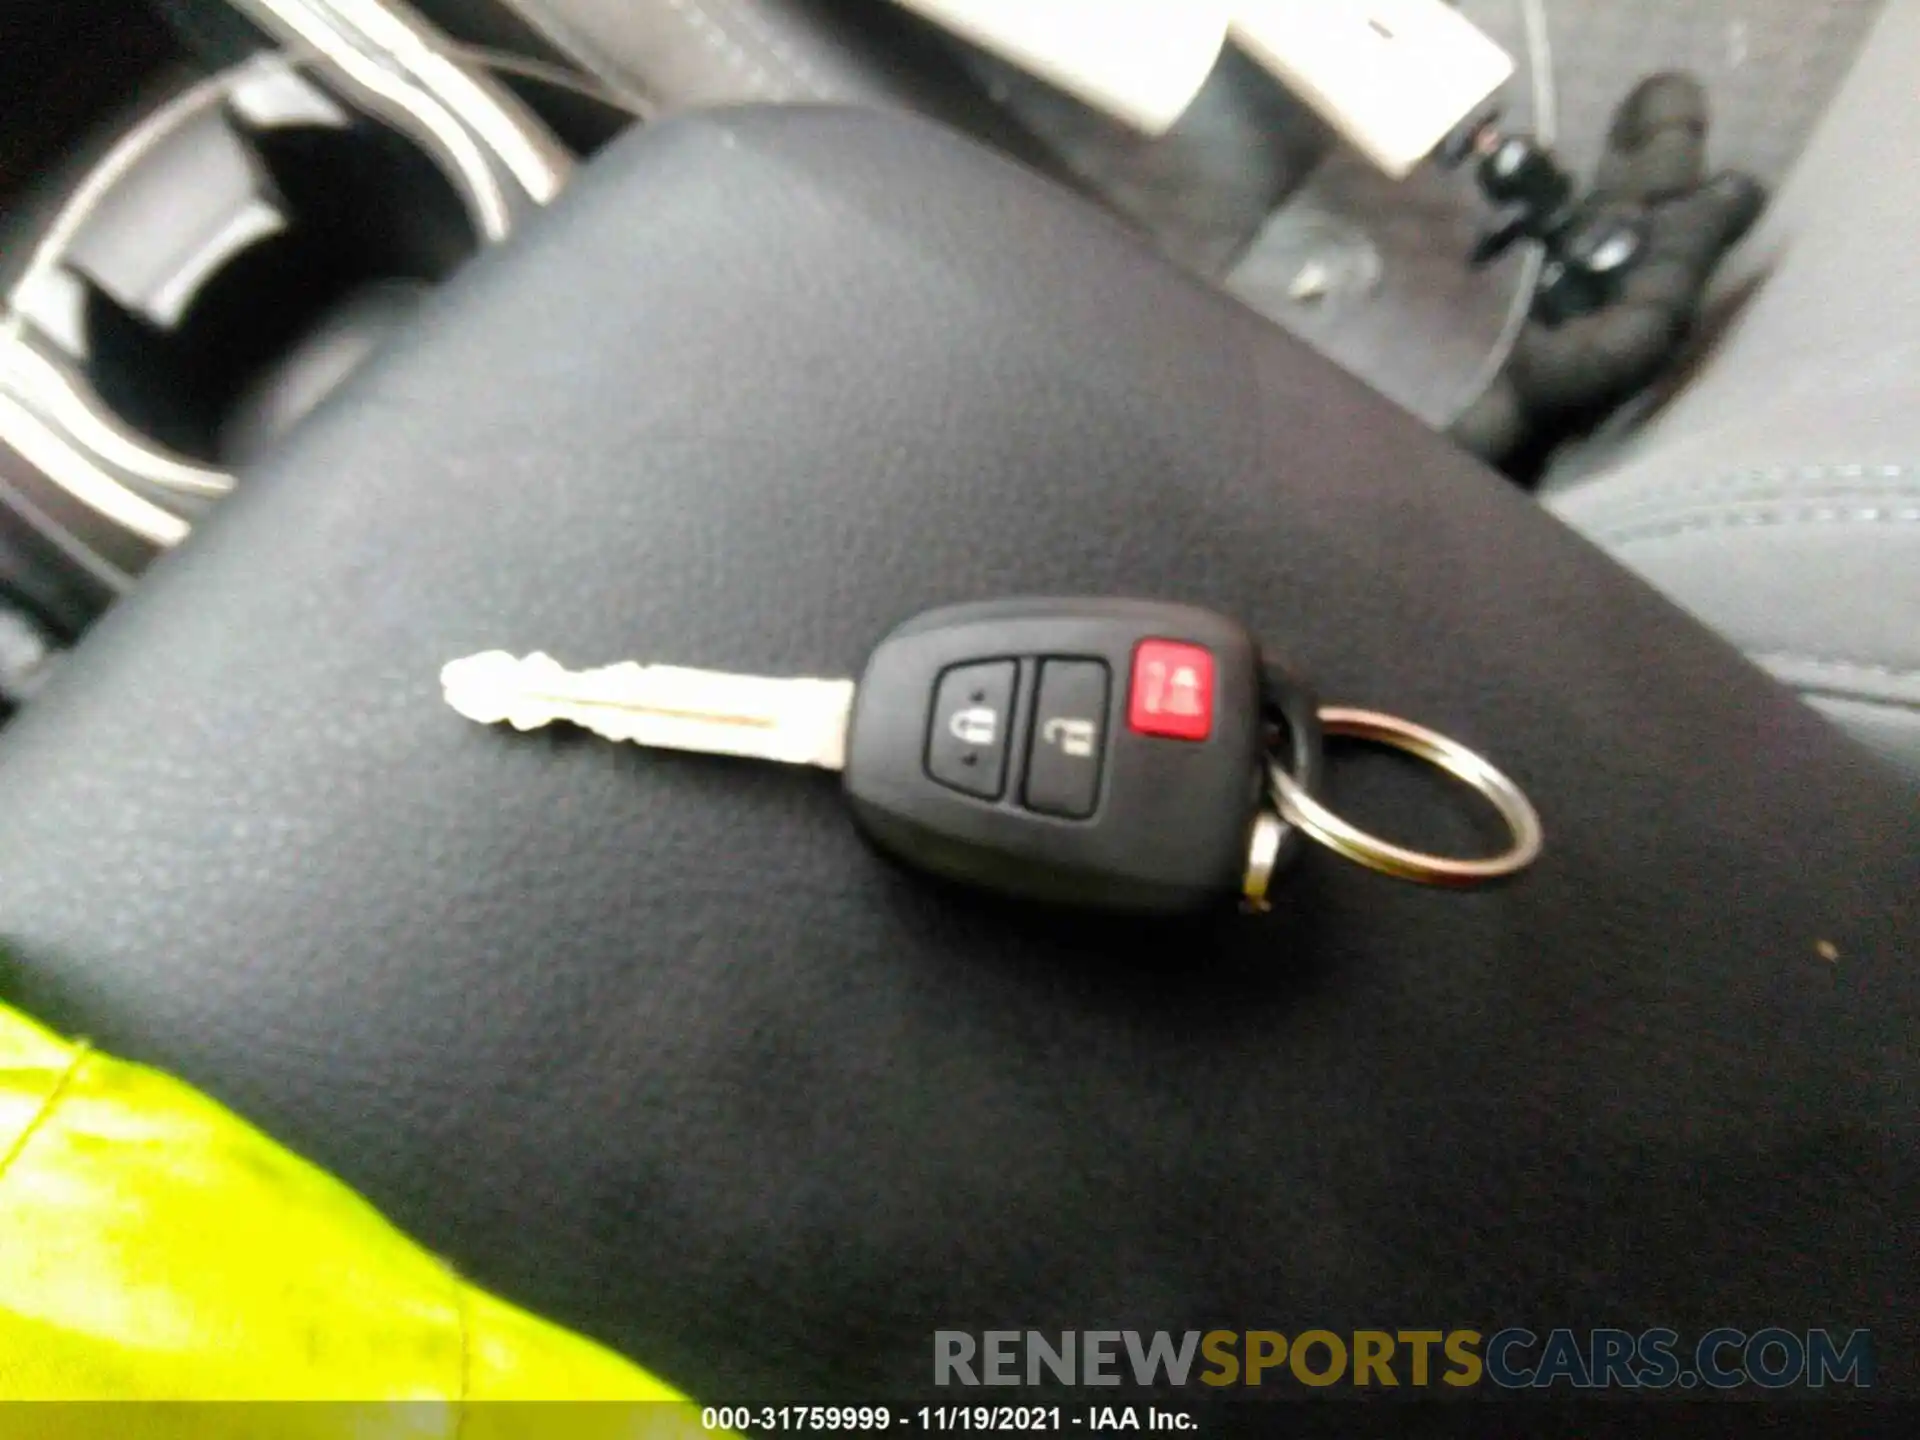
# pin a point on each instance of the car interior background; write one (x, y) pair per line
(393, 266)
(303, 217)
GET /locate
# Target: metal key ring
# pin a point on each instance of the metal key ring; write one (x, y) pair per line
(1300, 809)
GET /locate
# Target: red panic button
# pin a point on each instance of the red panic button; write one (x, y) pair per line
(1172, 694)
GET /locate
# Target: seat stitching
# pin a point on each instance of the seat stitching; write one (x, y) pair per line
(782, 52)
(565, 37)
(1756, 519)
(1763, 478)
(1865, 667)
(1629, 513)
(82, 1051)
(463, 1321)
(1780, 475)
(1878, 702)
(721, 43)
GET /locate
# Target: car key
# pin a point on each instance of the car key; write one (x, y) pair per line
(797, 722)
(1109, 753)
(1096, 752)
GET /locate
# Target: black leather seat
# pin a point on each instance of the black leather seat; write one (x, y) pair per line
(654, 1044)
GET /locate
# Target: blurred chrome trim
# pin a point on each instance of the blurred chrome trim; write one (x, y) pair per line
(119, 162)
(393, 62)
(69, 405)
(54, 455)
(373, 54)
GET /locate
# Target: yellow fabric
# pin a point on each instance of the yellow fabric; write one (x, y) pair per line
(153, 1246)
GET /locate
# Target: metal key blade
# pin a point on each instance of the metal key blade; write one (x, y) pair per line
(794, 721)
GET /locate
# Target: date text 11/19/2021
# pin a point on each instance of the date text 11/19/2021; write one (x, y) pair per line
(1088, 1419)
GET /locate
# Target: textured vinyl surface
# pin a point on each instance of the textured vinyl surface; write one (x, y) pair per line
(653, 1044)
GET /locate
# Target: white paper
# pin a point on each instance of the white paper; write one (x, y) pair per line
(1142, 61)
(1394, 77)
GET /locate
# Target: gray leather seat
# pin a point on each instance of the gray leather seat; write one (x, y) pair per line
(1776, 494)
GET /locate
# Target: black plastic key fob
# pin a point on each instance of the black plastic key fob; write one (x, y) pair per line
(1091, 752)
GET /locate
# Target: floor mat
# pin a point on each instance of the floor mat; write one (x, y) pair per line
(1387, 293)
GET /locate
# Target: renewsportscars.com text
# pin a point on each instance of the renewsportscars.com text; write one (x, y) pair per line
(1771, 1358)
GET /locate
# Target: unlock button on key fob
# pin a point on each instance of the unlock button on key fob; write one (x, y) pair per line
(1069, 726)
(972, 723)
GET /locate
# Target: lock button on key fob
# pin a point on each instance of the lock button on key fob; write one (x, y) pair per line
(1099, 752)
(967, 744)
